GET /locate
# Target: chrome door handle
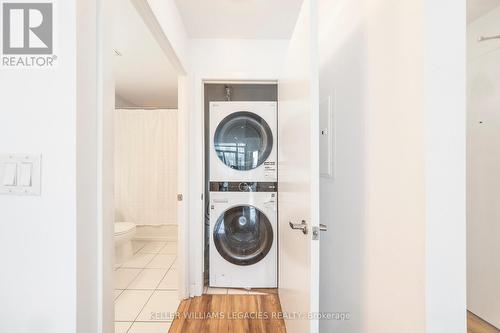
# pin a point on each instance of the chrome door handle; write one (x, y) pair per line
(323, 227)
(302, 226)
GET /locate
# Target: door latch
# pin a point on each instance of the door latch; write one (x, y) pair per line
(316, 231)
(180, 197)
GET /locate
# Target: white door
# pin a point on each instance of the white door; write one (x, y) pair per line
(483, 227)
(298, 156)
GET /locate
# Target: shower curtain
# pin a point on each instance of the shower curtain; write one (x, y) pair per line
(146, 166)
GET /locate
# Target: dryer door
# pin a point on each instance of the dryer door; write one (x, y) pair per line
(243, 235)
(243, 141)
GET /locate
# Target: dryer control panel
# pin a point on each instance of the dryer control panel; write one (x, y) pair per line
(243, 187)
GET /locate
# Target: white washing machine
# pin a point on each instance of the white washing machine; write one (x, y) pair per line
(243, 235)
(243, 143)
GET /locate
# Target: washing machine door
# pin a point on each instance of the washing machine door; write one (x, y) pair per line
(243, 235)
(243, 141)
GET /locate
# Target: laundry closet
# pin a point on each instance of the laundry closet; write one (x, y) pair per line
(270, 243)
(241, 175)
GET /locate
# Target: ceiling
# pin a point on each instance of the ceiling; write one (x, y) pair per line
(477, 8)
(143, 75)
(239, 18)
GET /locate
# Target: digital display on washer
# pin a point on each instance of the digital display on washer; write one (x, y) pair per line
(243, 235)
(243, 141)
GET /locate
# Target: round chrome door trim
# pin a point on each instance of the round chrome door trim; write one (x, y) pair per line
(243, 141)
(243, 235)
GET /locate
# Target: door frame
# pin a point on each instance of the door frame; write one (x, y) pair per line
(105, 149)
(197, 126)
(145, 11)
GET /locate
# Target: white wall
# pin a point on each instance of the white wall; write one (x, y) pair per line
(219, 59)
(253, 59)
(172, 26)
(483, 229)
(379, 207)
(38, 235)
(444, 69)
(146, 166)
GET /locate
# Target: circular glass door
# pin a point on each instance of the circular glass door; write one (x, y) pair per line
(243, 235)
(243, 141)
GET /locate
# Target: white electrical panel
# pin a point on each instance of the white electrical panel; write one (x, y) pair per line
(326, 138)
(20, 174)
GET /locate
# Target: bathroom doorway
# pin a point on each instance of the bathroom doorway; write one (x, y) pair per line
(146, 276)
(148, 184)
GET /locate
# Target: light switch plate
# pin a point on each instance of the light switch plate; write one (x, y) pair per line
(25, 184)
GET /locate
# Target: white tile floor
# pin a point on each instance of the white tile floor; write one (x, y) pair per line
(146, 289)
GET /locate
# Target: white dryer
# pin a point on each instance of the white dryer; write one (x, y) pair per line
(243, 141)
(243, 235)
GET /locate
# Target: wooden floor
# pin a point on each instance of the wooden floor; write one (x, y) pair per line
(477, 325)
(253, 314)
(229, 314)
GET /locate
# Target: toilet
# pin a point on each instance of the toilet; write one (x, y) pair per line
(124, 232)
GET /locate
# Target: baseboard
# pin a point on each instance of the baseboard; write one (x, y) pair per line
(164, 232)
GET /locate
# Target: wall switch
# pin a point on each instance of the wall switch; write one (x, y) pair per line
(10, 174)
(20, 174)
(25, 170)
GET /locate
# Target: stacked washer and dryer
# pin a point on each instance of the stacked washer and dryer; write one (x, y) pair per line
(243, 195)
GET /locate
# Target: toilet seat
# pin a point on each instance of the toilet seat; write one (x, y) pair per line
(122, 228)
